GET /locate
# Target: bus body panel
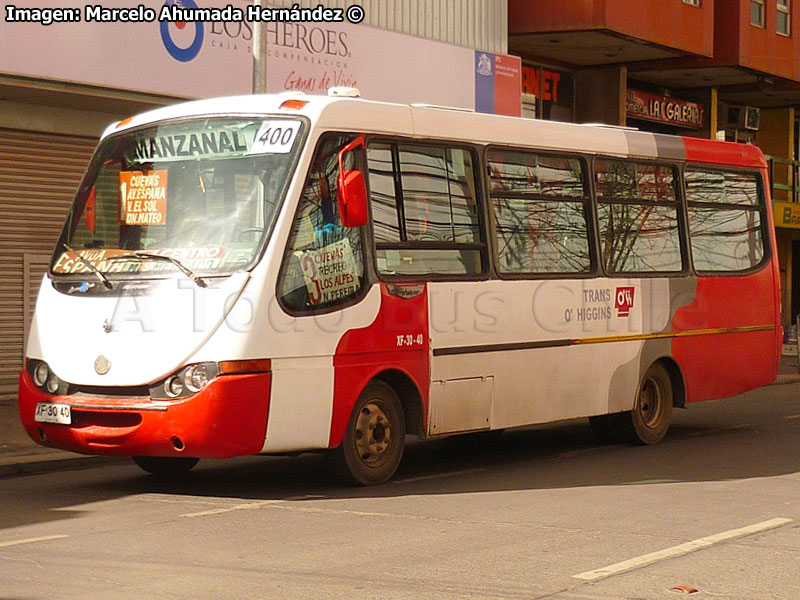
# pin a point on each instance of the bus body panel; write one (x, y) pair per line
(724, 365)
(303, 350)
(546, 350)
(145, 330)
(742, 331)
(395, 345)
(226, 419)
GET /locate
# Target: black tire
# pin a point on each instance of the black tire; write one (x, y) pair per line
(165, 467)
(374, 439)
(650, 418)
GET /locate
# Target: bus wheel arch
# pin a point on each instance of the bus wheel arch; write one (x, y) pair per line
(410, 399)
(622, 426)
(678, 383)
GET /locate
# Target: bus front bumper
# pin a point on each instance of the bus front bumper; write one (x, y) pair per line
(226, 418)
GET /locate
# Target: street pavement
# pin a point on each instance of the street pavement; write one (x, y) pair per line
(19, 454)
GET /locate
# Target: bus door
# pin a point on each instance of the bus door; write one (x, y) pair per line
(322, 288)
(426, 223)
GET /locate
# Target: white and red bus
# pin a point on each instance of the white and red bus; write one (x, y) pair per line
(278, 274)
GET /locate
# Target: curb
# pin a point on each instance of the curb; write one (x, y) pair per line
(30, 464)
(786, 378)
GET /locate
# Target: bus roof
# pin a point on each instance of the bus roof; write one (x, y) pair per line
(345, 113)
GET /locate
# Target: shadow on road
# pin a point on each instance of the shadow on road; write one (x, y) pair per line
(754, 435)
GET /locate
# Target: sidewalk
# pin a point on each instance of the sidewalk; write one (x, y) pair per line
(19, 454)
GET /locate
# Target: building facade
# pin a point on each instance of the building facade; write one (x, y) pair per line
(724, 69)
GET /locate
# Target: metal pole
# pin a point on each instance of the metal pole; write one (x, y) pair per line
(797, 341)
(259, 54)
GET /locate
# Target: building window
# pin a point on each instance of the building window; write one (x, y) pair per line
(784, 18)
(757, 13)
(692, 2)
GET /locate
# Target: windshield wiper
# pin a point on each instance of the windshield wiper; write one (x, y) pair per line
(91, 267)
(140, 255)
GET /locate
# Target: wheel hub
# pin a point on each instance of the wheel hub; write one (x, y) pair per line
(373, 433)
(651, 400)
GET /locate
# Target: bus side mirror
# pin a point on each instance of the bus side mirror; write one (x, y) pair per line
(352, 189)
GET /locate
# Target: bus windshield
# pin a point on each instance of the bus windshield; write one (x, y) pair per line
(202, 193)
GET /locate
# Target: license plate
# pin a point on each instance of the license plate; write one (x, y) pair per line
(52, 412)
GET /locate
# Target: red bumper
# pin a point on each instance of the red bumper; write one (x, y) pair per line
(227, 418)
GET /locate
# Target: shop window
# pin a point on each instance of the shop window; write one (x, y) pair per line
(540, 207)
(757, 16)
(784, 17)
(323, 264)
(638, 217)
(725, 220)
(424, 210)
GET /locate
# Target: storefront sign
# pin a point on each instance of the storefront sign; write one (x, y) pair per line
(544, 84)
(553, 90)
(787, 214)
(652, 107)
(214, 56)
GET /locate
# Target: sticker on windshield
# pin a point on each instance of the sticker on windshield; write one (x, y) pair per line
(276, 137)
(330, 273)
(143, 197)
(108, 260)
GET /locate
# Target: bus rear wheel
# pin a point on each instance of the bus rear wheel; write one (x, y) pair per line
(650, 418)
(165, 466)
(374, 440)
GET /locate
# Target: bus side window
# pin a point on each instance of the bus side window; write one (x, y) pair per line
(323, 265)
(726, 220)
(540, 204)
(638, 217)
(424, 205)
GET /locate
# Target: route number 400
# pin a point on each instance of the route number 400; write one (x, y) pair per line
(276, 137)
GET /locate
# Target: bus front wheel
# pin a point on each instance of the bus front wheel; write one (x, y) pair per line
(374, 440)
(650, 418)
(163, 466)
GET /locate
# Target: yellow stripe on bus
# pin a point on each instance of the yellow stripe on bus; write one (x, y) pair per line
(673, 334)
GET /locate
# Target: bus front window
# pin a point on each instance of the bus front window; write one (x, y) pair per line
(203, 191)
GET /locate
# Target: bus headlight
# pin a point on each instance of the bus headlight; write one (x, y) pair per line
(44, 378)
(40, 374)
(53, 383)
(186, 382)
(173, 386)
(196, 377)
